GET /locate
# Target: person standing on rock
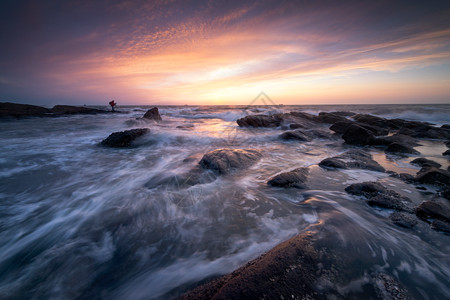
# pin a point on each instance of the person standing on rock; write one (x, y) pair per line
(112, 103)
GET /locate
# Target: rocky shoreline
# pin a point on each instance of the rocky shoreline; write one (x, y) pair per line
(16, 111)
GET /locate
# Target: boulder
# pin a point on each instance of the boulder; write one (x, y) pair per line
(446, 126)
(446, 153)
(391, 200)
(433, 176)
(366, 189)
(75, 110)
(224, 161)
(153, 114)
(403, 219)
(295, 135)
(295, 178)
(423, 162)
(326, 117)
(341, 126)
(352, 159)
(408, 178)
(123, 138)
(439, 225)
(434, 210)
(357, 135)
(260, 121)
(15, 110)
(400, 148)
(333, 163)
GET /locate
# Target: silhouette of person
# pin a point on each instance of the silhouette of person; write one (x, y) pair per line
(112, 103)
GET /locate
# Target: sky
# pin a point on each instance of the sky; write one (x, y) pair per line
(224, 52)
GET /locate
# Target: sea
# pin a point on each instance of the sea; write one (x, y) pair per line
(82, 221)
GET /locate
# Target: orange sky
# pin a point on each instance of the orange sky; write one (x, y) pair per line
(200, 52)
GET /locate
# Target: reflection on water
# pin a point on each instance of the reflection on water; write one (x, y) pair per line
(78, 220)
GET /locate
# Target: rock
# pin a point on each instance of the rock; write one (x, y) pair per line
(388, 288)
(433, 176)
(295, 126)
(434, 210)
(446, 153)
(153, 114)
(403, 219)
(439, 225)
(224, 161)
(447, 144)
(391, 200)
(446, 126)
(424, 130)
(325, 117)
(366, 189)
(295, 178)
(303, 115)
(405, 177)
(446, 194)
(291, 268)
(341, 126)
(333, 163)
(295, 135)
(423, 162)
(123, 138)
(397, 138)
(15, 110)
(343, 113)
(75, 110)
(400, 148)
(357, 135)
(186, 126)
(260, 121)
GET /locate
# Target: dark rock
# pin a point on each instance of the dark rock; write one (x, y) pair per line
(260, 121)
(439, 225)
(391, 200)
(400, 148)
(403, 219)
(397, 138)
(365, 164)
(303, 115)
(447, 144)
(423, 162)
(187, 126)
(446, 194)
(15, 110)
(446, 153)
(295, 135)
(434, 210)
(295, 178)
(295, 126)
(366, 189)
(75, 110)
(123, 138)
(343, 113)
(446, 126)
(153, 114)
(341, 126)
(325, 117)
(405, 177)
(333, 163)
(426, 131)
(388, 288)
(357, 135)
(433, 176)
(291, 268)
(224, 161)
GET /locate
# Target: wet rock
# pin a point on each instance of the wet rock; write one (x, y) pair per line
(388, 288)
(303, 115)
(153, 114)
(296, 126)
(400, 148)
(433, 176)
(15, 110)
(446, 194)
(446, 153)
(439, 225)
(423, 162)
(397, 138)
(333, 163)
(123, 138)
(426, 131)
(290, 269)
(186, 126)
(357, 135)
(325, 117)
(74, 110)
(434, 210)
(295, 135)
(403, 219)
(343, 113)
(447, 144)
(295, 178)
(341, 126)
(260, 121)
(446, 126)
(391, 200)
(224, 161)
(405, 177)
(366, 189)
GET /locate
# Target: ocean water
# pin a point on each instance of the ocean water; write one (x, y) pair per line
(81, 221)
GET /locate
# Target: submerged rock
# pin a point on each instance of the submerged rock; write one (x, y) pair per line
(295, 178)
(366, 189)
(433, 176)
(423, 162)
(403, 219)
(123, 138)
(391, 200)
(388, 288)
(400, 148)
(224, 161)
(16, 110)
(153, 114)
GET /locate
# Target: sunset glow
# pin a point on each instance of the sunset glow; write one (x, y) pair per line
(200, 52)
